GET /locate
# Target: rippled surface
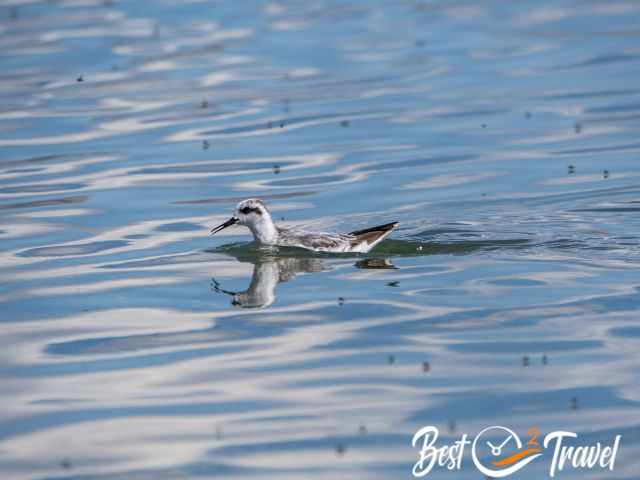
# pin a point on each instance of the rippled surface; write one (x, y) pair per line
(503, 137)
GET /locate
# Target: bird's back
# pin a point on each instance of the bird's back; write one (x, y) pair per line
(359, 241)
(316, 241)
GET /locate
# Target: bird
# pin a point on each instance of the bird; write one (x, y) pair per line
(253, 213)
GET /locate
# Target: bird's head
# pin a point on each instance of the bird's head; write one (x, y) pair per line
(251, 213)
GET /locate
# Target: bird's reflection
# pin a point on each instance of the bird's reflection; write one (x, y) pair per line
(268, 271)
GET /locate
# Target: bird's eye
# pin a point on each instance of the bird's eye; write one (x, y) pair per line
(245, 210)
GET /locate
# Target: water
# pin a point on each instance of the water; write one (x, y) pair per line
(503, 137)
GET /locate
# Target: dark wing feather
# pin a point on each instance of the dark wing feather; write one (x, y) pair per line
(373, 234)
(387, 227)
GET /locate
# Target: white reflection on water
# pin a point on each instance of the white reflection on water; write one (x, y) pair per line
(450, 180)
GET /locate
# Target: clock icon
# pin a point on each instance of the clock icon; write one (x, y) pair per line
(492, 442)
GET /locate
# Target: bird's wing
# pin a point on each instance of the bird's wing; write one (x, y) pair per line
(373, 235)
(313, 240)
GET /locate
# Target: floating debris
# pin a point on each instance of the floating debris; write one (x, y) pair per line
(426, 367)
(452, 426)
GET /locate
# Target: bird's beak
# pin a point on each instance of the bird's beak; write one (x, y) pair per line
(228, 223)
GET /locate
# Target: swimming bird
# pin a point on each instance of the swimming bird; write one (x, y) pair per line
(253, 213)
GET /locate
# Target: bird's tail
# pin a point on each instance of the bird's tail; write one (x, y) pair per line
(365, 240)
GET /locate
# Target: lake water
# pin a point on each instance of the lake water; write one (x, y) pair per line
(503, 136)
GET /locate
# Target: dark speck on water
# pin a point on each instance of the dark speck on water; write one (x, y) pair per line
(605, 174)
(574, 403)
(452, 426)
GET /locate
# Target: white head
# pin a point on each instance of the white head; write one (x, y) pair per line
(252, 213)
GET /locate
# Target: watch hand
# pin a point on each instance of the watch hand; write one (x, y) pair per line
(503, 443)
